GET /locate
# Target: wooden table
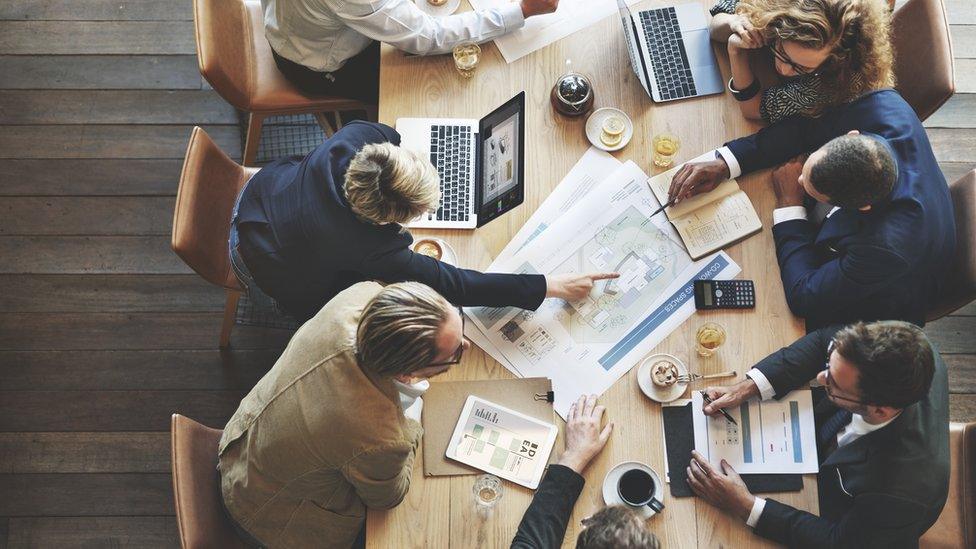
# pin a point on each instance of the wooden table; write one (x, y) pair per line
(439, 512)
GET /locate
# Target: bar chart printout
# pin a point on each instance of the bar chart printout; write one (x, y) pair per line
(502, 442)
(772, 436)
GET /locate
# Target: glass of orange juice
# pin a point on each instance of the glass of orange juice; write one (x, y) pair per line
(665, 149)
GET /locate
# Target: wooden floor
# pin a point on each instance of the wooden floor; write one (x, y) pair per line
(103, 331)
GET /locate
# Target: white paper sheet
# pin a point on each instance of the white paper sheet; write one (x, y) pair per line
(542, 30)
(772, 436)
(584, 347)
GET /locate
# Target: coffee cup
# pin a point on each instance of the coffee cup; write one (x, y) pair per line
(636, 487)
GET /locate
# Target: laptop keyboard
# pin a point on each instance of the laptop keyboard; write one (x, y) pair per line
(668, 58)
(450, 153)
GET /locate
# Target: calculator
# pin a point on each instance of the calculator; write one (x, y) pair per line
(725, 294)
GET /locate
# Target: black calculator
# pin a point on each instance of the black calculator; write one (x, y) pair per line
(725, 294)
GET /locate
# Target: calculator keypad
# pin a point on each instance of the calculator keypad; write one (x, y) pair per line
(734, 294)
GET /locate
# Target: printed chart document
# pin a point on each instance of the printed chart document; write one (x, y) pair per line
(708, 222)
(542, 30)
(585, 346)
(773, 436)
(588, 171)
(502, 442)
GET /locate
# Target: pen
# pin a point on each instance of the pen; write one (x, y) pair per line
(668, 204)
(724, 413)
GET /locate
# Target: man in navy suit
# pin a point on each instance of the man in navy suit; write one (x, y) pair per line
(864, 226)
(304, 229)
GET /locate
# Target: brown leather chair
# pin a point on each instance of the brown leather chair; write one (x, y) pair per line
(956, 526)
(200, 515)
(209, 186)
(960, 287)
(235, 58)
(923, 55)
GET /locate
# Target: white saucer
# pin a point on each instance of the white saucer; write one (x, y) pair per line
(448, 256)
(448, 8)
(653, 392)
(594, 127)
(611, 497)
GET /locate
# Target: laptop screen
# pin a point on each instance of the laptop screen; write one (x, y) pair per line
(502, 170)
(636, 59)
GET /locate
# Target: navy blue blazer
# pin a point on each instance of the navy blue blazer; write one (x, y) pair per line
(303, 244)
(886, 263)
(884, 489)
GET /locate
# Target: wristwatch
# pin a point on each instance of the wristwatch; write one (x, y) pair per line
(746, 93)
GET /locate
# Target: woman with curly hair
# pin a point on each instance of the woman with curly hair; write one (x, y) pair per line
(825, 52)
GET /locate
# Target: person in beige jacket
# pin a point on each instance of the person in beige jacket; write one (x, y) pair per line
(323, 435)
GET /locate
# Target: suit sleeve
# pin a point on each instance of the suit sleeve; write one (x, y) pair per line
(861, 271)
(381, 476)
(873, 521)
(794, 366)
(775, 144)
(544, 523)
(463, 287)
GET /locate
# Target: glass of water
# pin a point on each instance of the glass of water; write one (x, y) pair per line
(466, 57)
(487, 491)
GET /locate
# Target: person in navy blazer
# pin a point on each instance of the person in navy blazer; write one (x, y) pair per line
(888, 237)
(301, 234)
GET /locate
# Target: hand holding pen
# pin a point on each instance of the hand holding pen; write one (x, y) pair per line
(722, 411)
(696, 178)
(718, 398)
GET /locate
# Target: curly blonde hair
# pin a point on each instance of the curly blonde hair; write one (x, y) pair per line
(858, 33)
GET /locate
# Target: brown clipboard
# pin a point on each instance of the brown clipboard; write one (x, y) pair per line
(444, 401)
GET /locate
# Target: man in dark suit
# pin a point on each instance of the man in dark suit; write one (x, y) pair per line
(883, 438)
(877, 232)
(305, 229)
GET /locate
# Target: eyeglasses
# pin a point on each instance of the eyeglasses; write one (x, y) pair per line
(456, 357)
(829, 380)
(780, 54)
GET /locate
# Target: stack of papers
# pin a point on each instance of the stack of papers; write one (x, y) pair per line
(585, 346)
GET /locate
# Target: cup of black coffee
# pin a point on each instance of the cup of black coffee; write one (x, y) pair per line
(637, 487)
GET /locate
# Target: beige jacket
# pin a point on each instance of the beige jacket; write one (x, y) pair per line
(318, 439)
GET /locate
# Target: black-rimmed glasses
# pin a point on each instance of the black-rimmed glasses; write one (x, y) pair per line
(456, 357)
(780, 54)
(829, 381)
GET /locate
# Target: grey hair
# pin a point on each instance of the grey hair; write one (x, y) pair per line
(616, 527)
(389, 184)
(398, 330)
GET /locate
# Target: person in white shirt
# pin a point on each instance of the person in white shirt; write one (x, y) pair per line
(885, 418)
(330, 46)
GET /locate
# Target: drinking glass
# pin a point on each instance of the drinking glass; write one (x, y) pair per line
(709, 337)
(665, 149)
(487, 491)
(466, 57)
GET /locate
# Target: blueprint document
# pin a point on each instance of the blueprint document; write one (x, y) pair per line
(585, 346)
(772, 436)
(542, 30)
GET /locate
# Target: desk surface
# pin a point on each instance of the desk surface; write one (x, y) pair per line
(439, 512)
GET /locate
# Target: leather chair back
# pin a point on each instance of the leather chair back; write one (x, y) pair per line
(923, 55)
(200, 515)
(209, 186)
(956, 526)
(225, 48)
(960, 285)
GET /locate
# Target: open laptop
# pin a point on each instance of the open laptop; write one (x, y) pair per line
(481, 164)
(671, 51)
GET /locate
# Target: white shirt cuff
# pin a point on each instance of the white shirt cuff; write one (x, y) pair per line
(766, 390)
(757, 509)
(512, 16)
(729, 158)
(789, 213)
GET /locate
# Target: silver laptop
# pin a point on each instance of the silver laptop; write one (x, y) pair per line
(481, 164)
(671, 51)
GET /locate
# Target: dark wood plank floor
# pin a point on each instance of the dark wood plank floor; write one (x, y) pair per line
(103, 331)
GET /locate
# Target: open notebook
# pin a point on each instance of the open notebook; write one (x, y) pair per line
(711, 221)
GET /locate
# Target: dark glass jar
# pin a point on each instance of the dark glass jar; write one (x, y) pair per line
(572, 95)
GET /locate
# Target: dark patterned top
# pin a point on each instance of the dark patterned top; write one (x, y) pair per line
(793, 96)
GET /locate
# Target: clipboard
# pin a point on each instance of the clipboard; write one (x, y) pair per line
(679, 441)
(444, 401)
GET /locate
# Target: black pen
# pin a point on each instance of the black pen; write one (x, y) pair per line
(661, 209)
(724, 413)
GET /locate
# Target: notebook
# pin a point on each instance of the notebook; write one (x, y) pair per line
(443, 404)
(711, 221)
